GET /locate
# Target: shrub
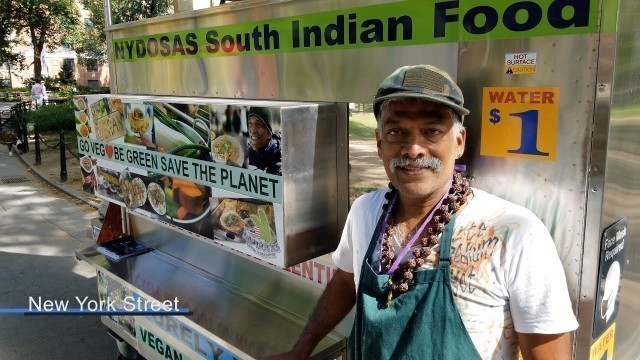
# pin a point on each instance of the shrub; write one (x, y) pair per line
(52, 117)
(83, 89)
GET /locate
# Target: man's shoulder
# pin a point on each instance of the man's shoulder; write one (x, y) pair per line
(367, 201)
(499, 209)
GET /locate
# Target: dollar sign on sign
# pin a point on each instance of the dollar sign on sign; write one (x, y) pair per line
(495, 117)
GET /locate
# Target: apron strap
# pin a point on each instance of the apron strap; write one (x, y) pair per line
(445, 243)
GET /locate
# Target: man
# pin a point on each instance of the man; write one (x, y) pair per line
(438, 270)
(38, 92)
(263, 152)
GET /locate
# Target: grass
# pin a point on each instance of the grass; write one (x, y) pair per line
(362, 125)
(356, 190)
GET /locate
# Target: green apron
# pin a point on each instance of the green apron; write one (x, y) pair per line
(423, 323)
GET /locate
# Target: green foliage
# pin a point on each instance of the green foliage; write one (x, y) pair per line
(7, 94)
(15, 89)
(90, 43)
(43, 22)
(7, 42)
(83, 89)
(54, 117)
(66, 75)
(132, 10)
(64, 92)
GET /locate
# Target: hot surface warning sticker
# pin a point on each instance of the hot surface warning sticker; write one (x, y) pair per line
(520, 122)
(520, 63)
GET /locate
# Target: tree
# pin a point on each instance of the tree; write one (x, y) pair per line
(131, 10)
(8, 42)
(44, 22)
(90, 42)
(65, 75)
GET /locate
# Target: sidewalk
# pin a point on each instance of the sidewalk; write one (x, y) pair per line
(39, 233)
(49, 171)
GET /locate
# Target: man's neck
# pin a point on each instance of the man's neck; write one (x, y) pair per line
(412, 209)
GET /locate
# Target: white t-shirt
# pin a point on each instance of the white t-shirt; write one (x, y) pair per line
(37, 89)
(506, 273)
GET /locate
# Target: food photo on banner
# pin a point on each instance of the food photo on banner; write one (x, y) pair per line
(83, 125)
(178, 132)
(246, 221)
(88, 169)
(118, 183)
(138, 119)
(179, 202)
(107, 119)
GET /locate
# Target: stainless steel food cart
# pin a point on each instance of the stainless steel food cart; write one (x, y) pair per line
(553, 126)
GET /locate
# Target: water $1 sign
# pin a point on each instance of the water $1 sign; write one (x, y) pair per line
(520, 122)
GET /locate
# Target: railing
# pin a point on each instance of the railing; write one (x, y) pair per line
(62, 145)
(15, 116)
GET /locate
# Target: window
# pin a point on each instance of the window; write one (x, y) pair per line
(70, 63)
(92, 65)
(93, 83)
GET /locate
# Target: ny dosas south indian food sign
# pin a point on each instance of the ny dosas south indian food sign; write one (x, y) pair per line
(401, 23)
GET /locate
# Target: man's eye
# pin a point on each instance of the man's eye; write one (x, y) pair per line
(393, 132)
(434, 131)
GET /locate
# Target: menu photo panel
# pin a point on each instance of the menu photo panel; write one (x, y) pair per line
(212, 169)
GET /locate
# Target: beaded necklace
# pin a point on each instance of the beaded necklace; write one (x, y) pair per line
(400, 276)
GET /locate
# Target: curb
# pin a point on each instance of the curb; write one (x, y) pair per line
(54, 185)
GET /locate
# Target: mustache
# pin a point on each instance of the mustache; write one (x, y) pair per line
(429, 162)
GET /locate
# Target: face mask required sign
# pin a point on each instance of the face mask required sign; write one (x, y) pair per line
(398, 23)
(258, 185)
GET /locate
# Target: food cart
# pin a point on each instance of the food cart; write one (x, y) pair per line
(550, 85)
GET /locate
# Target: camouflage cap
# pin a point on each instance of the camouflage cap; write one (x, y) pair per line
(424, 82)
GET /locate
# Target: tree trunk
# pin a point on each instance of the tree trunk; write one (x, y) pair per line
(38, 46)
(37, 50)
(37, 65)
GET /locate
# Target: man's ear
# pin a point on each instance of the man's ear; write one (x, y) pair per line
(461, 139)
(378, 142)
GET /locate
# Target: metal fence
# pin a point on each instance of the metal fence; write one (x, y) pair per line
(12, 119)
(64, 148)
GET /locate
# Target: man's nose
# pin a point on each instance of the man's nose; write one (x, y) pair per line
(414, 147)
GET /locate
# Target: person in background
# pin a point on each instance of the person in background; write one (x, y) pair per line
(263, 152)
(437, 269)
(38, 92)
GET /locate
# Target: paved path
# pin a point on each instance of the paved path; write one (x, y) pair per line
(39, 232)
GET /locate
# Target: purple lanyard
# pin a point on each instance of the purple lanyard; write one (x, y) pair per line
(415, 236)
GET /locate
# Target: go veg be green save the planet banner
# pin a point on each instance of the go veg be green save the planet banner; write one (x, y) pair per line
(255, 184)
